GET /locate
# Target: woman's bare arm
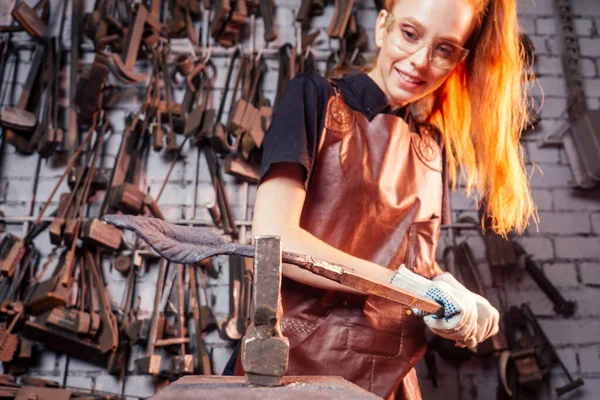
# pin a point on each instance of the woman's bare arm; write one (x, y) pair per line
(277, 210)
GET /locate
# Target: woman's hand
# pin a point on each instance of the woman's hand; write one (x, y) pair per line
(459, 320)
(487, 321)
(468, 318)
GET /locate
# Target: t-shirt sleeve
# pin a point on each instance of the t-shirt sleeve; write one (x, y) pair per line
(297, 123)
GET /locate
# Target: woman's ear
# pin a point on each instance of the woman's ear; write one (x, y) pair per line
(380, 28)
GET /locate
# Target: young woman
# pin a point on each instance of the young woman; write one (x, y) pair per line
(356, 171)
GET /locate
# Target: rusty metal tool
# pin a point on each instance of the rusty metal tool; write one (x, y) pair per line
(164, 66)
(150, 364)
(532, 355)
(561, 305)
(51, 293)
(127, 151)
(217, 136)
(265, 351)
(29, 20)
(99, 351)
(230, 328)
(201, 353)
(138, 329)
(181, 364)
(9, 342)
(208, 322)
(12, 250)
(67, 205)
(341, 17)
(19, 119)
(124, 70)
(72, 137)
(52, 135)
(268, 14)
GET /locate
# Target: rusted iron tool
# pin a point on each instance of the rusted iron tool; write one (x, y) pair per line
(188, 245)
(265, 351)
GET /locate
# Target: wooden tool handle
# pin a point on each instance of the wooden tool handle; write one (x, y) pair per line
(351, 278)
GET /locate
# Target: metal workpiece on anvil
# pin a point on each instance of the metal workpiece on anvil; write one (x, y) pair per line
(234, 388)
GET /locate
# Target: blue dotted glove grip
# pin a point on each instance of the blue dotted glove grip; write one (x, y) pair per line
(436, 294)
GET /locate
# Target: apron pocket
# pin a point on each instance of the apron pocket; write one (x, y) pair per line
(379, 330)
(364, 339)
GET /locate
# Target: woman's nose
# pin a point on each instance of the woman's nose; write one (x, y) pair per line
(420, 58)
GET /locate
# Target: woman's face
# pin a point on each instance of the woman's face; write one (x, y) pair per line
(419, 44)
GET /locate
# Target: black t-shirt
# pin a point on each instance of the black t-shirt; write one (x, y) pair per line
(297, 124)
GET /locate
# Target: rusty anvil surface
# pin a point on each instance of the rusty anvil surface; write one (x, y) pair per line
(234, 388)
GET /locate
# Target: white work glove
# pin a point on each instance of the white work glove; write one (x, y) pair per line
(488, 317)
(459, 321)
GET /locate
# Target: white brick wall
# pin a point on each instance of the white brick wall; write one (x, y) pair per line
(567, 237)
(567, 244)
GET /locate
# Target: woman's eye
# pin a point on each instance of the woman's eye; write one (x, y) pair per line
(445, 50)
(410, 35)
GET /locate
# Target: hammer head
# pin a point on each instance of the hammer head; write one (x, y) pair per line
(265, 351)
(264, 357)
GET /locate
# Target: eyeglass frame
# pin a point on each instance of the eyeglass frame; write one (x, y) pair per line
(390, 16)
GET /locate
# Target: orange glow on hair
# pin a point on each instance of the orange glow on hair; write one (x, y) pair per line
(480, 110)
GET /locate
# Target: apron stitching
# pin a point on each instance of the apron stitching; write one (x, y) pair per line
(401, 336)
(297, 326)
(372, 375)
(297, 329)
(298, 323)
(410, 257)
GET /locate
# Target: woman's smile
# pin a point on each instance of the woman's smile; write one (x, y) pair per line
(408, 82)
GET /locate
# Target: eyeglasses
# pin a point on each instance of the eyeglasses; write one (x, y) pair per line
(443, 54)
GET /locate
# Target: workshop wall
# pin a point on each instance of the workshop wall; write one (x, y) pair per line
(567, 244)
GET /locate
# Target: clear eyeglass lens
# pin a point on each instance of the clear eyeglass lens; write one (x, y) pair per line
(442, 54)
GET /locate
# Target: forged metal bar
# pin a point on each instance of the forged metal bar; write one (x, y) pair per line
(72, 126)
(581, 140)
(187, 245)
(576, 104)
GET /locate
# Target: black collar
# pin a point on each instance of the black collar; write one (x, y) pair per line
(362, 94)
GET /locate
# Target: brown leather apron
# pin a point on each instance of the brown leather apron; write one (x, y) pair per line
(375, 193)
